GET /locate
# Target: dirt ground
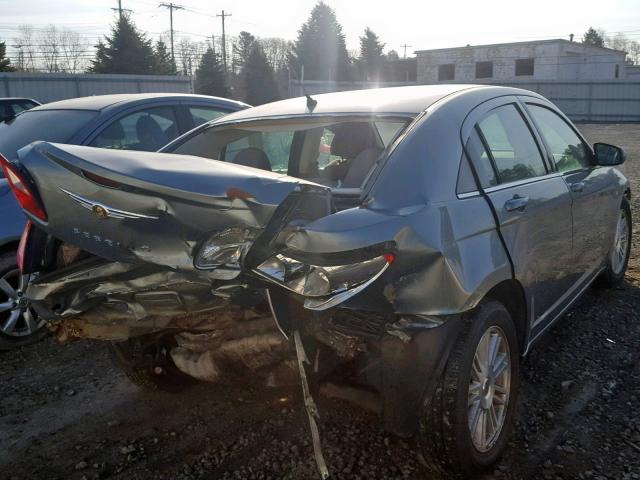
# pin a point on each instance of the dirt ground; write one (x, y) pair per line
(67, 413)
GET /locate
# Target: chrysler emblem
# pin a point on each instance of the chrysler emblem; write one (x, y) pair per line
(102, 211)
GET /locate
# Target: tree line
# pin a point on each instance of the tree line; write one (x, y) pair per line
(258, 70)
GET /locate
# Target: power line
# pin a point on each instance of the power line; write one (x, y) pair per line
(224, 46)
(171, 8)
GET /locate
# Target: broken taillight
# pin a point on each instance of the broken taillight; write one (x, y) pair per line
(25, 196)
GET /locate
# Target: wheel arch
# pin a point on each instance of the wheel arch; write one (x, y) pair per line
(510, 293)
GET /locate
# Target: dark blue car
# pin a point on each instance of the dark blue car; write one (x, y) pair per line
(145, 121)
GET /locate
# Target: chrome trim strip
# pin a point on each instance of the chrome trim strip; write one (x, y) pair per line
(112, 212)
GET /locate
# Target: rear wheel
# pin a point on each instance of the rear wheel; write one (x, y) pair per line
(466, 423)
(146, 361)
(19, 324)
(618, 258)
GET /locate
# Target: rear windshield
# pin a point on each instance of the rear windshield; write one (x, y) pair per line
(49, 125)
(338, 153)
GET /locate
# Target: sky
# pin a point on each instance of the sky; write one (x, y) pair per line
(421, 24)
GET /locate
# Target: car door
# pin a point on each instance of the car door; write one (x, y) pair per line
(532, 204)
(593, 189)
(146, 128)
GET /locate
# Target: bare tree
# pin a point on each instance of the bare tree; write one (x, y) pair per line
(623, 43)
(26, 55)
(277, 51)
(188, 55)
(49, 48)
(72, 48)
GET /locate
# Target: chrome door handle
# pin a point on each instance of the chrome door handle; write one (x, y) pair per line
(518, 202)
(576, 187)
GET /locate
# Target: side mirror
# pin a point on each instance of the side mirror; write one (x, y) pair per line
(608, 155)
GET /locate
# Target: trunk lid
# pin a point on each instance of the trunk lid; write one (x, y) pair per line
(128, 206)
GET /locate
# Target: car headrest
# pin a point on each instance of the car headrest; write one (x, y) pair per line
(150, 134)
(351, 138)
(252, 157)
(360, 166)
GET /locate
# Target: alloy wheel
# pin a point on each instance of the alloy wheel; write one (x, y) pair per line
(17, 318)
(620, 243)
(489, 389)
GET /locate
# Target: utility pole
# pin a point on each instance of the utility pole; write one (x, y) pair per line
(120, 9)
(224, 46)
(405, 46)
(171, 7)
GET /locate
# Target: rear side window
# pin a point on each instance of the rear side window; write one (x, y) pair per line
(568, 150)
(482, 164)
(202, 115)
(146, 130)
(511, 145)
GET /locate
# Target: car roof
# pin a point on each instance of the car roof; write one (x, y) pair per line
(401, 100)
(100, 102)
(407, 100)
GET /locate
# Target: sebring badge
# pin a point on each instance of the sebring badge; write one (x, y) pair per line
(102, 211)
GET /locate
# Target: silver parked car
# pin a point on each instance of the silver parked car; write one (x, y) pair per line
(412, 242)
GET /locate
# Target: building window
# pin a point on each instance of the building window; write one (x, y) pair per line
(446, 72)
(524, 67)
(617, 72)
(484, 69)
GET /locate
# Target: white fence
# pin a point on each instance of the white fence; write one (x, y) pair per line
(49, 87)
(581, 101)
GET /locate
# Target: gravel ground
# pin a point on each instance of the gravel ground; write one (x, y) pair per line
(66, 412)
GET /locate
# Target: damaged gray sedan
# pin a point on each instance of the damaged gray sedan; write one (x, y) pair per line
(409, 244)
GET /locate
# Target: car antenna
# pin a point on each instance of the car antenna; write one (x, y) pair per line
(311, 102)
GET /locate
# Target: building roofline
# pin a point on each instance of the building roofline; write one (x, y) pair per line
(508, 44)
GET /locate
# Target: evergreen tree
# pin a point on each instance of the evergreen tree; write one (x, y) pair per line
(259, 81)
(371, 56)
(592, 37)
(164, 63)
(320, 47)
(5, 63)
(127, 50)
(242, 48)
(210, 77)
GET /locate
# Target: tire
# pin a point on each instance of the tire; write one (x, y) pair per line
(617, 260)
(445, 436)
(147, 363)
(22, 332)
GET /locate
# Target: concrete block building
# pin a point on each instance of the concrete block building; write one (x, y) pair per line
(544, 60)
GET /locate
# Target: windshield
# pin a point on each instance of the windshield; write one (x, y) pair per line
(49, 125)
(338, 153)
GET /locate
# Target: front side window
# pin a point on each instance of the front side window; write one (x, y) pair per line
(147, 130)
(568, 150)
(511, 145)
(336, 153)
